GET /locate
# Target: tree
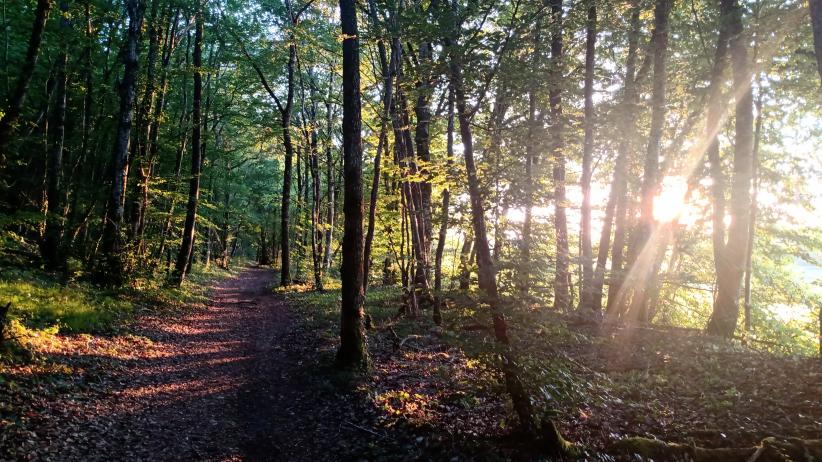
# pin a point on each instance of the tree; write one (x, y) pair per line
(53, 234)
(111, 269)
(187, 246)
(587, 293)
(730, 264)
(353, 352)
(8, 122)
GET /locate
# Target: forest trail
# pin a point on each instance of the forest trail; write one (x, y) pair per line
(227, 380)
(218, 382)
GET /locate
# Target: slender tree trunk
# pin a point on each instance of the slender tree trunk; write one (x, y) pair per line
(731, 267)
(52, 237)
(8, 123)
(422, 140)
(617, 199)
(285, 211)
(544, 432)
(186, 248)
(587, 291)
(644, 251)
(331, 198)
(754, 208)
(353, 352)
(816, 24)
(387, 66)
(446, 195)
(145, 125)
(111, 272)
(524, 277)
(562, 275)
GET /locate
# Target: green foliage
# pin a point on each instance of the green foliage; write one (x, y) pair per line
(40, 302)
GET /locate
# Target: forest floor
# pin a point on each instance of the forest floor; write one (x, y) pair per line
(247, 375)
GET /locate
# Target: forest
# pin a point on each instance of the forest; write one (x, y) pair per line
(411, 230)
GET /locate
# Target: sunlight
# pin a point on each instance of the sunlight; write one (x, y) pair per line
(671, 201)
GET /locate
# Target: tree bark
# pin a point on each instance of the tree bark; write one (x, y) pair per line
(8, 123)
(387, 67)
(816, 24)
(51, 244)
(731, 266)
(285, 210)
(617, 199)
(446, 194)
(586, 294)
(186, 248)
(543, 432)
(353, 352)
(644, 250)
(111, 271)
(562, 275)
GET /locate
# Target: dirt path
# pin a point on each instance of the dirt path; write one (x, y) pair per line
(236, 379)
(212, 389)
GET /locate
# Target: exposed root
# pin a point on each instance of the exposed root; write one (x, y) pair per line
(769, 450)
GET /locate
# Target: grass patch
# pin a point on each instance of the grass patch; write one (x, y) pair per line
(40, 302)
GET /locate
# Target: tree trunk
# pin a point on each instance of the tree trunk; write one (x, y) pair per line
(524, 277)
(446, 194)
(587, 293)
(543, 432)
(387, 66)
(353, 352)
(562, 275)
(617, 200)
(8, 123)
(185, 252)
(50, 247)
(285, 210)
(754, 206)
(145, 124)
(731, 266)
(331, 198)
(816, 24)
(644, 250)
(111, 271)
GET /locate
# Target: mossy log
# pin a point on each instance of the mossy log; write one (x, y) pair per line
(769, 450)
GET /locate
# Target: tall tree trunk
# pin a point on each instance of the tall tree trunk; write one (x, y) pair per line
(754, 208)
(562, 275)
(422, 140)
(387, 66)
(446, 194)
(353, 352)
(331, 198)
(644, 250)
(524, 276)
(731, 266)
(544, 432)
(617, 199)
(50, 247)
(145, 125)
(111, 272)
(816, 24)
(186, 248)
(8, 123)
(587, 292)
(285, 210)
